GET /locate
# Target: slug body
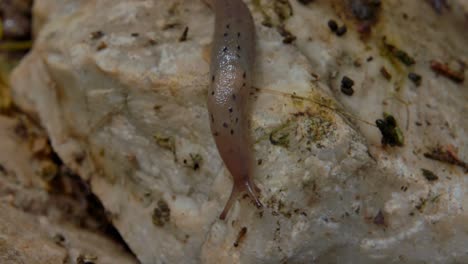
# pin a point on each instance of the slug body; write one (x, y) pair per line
(232, 59)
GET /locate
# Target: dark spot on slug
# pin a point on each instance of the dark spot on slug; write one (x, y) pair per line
(226, 34)
(216, 134)
(232, 132)
(243, 85)
(238, 55)
(213, 78)
(238, 34)
(212, 93)
(244, 75)
(233, 97)
(225, 125)
(212, 118)
(228, 26)
(225, 49)
(238, 47)
(237, 120)
(230, 109)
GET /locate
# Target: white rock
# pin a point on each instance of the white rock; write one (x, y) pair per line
(134, 105)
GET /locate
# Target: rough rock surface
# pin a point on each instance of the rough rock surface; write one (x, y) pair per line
(34, 240)
(45, 217)
(123, 101)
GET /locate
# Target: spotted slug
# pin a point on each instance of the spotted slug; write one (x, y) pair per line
(232, 59)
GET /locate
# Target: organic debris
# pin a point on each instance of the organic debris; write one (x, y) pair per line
(444, 70)
(398, 53)
(415, 78)
(391, 133)
(347, 86)
(446, 155)
(429, 175)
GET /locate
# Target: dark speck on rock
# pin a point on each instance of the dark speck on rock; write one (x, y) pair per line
(416, 78)
(379, 219)
(332, 25)
(347, 86)
(429, 175)
(97, 34)
(341, 31)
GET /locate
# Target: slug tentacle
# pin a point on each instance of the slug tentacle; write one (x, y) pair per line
(232, 60)
(232, 198)
(250, 188)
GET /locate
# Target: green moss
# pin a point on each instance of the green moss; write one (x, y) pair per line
(280, 135)
(421, 205)
(267, 21)
(302, 129)
(318, 128)
(283, 9)
(165, 142)
(297, 101)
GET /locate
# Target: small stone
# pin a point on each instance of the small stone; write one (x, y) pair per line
(416, 78)
(341, 31)
(347, 86)
(332, 25)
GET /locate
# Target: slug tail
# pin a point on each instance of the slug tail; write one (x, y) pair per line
(252, 191)
(230, 202)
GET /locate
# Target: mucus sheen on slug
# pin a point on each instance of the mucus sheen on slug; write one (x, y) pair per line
(232, 59)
